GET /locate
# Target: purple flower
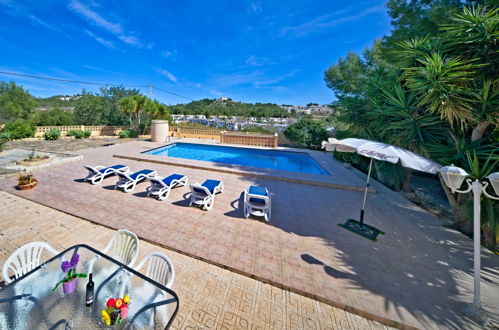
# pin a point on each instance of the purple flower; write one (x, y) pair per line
(74, 260)
(65, 266)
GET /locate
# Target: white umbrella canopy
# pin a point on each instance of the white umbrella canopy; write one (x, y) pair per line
(384, 152)
(378, 151)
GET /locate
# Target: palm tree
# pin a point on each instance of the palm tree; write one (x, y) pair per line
(133, 107)
(458, 79)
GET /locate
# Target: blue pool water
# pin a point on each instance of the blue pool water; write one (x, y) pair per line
(277, 160)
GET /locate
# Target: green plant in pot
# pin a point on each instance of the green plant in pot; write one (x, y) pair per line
(69, 280)
(26, 181)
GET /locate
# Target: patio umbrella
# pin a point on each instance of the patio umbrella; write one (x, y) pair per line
(379, 151)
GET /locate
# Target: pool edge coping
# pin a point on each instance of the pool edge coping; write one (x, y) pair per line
(244, 173)
(238, 146)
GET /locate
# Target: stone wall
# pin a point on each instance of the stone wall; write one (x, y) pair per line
(194, 133)
(249, 139)
(96, 130)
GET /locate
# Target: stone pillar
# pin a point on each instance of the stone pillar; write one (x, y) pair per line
(159, 130)
(276, 138)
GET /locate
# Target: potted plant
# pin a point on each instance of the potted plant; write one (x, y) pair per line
(116, 311)
(26, 181)
(69, 281)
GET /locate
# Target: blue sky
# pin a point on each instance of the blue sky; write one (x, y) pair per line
(266, 51)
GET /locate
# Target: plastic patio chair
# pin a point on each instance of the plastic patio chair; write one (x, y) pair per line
(26, 258)
(159, 268)
(124, 246)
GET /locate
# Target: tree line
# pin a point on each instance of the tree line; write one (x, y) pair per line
(114, 106)
(214, 107)
(431, 87)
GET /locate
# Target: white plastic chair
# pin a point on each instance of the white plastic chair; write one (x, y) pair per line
(159, 268)
(125, 247)
(26, 258)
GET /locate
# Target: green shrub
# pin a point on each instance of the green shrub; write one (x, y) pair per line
(2, 142)
(307, 133)
(79, 134)
(5, 136)
(128, 133)
(52, 134)
(19, 129)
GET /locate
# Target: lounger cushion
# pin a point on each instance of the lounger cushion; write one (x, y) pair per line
(211, 185)
(115, 167)
(141, 172)
(255, 190)
(169, 179)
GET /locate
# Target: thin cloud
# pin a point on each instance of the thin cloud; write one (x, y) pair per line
(326, 21)
(43, 23)
(7, 3)
(275, 80)
(96, 19)
(100, 40)
(257, 61)
(168, 75)
(216, 93)
(168, 53)
(256, 7)
(131, 40)
(255, 79)
(239, 78)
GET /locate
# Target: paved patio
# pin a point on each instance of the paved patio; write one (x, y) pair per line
(419, 273)
(210, 297)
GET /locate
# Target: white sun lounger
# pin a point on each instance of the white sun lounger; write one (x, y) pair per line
(257, 202)
(160, 188)
(128, 181)
(98, 173)
(204, 195)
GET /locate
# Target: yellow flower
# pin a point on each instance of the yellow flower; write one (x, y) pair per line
(106, 318)
(126, 299)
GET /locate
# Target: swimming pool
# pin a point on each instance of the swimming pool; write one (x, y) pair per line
(277, 160)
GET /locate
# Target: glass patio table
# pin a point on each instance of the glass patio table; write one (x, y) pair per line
(30, 303)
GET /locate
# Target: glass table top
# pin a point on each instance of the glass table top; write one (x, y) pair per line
(30, 303)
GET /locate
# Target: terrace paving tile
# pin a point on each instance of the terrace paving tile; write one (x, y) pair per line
(210, 297)
(302, 248)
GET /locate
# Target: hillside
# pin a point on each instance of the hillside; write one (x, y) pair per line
(56, 101)
(213, 107)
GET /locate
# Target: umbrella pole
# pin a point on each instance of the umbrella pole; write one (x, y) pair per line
(365, 192)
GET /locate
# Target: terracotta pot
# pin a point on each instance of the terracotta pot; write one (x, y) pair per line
(69, 287)
(28, 186)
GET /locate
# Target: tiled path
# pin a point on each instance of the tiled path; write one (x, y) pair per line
(419, 273)
(210, 297)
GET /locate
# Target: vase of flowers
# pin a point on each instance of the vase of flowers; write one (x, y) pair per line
(69, 280)
(116, 311)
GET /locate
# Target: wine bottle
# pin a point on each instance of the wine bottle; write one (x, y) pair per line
(89, 296)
